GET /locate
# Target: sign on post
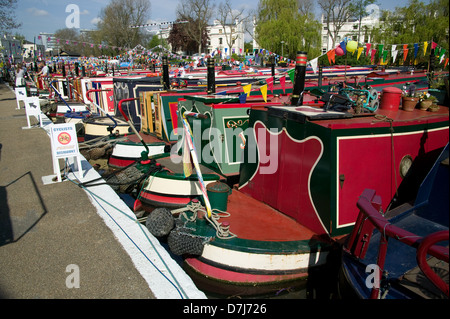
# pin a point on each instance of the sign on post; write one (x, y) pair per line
(21, 95)
(33, 108)
(64, 144)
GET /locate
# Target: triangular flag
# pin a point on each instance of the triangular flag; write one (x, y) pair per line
(313, 63)
(380, 50)
(433, 45)
(343, 46)
(368, 45)
(264, 92)
(385, 53)
(360, 50)
(445, 64)
(442, 58)
(425, 45)
(405, 51)
(394, 55)
(331, 56)
(442, 53)
(247, 89)
(291, 74)
(372, 55)
(416, 49)
(269, 82)
(283, 83)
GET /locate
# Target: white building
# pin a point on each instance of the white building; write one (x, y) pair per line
(228, 39)
(348, 30)
(32, 50)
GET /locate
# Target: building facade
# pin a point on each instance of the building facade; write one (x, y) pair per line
(11, 48)
(349, 30)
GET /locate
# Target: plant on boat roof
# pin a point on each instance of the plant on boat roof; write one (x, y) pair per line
(426, 96)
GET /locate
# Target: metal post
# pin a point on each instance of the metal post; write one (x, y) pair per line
(211, 77)
(299, 78)
(320, 75)
(272, 61)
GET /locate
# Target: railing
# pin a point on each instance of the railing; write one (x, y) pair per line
(370, 218)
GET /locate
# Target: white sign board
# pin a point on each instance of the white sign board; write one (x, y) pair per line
(21, 95)
(33, 108)
(64, 144)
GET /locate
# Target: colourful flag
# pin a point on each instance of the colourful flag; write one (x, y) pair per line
(264, 92)
(416, 49)
(291, 74)
(425, 45)
(331, 57)
(269, 82)
(283, 83)
(247, 89)
(360, 50)
(368, 45)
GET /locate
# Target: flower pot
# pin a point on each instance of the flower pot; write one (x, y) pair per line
(409, 103)
(425, 104)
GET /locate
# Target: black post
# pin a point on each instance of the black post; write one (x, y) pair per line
(83, 71)
(77, 71)
(299, 78)
(63, 69)
(211, 77)
(166, 80)
(431, 67)
(272, 61)
(320, 75)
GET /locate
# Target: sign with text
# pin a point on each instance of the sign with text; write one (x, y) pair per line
(64, 144)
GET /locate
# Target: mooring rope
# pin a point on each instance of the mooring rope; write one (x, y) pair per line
(222, 231)
(177, 286)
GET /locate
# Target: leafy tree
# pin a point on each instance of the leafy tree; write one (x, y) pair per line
(198, 13)
(7, 18)
(180, 38)
(336, 13)
(116, 21)
(358, 9)
(281, 20)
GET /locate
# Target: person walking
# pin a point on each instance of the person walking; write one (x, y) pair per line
(20, 75)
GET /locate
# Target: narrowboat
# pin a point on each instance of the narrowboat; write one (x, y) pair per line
(402, 252)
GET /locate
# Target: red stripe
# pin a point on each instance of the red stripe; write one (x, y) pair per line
(165, 199)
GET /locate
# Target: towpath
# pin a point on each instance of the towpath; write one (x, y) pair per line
(57, 242)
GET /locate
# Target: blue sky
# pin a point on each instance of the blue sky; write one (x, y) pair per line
(50, 15)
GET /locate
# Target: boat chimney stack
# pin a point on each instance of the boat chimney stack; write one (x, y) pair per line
(166, 80)
(299, 78)
(211, 77)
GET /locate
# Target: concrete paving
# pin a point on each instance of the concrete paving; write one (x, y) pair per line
(53, 241)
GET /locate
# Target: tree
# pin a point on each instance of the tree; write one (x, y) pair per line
(227, 16)
(7, 18)
(281, 27)
(117, 19)
(198, 13)
(358, 9)
(180, 40)
(336, 13)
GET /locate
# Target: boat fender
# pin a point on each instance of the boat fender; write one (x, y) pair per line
(181, 243)
(160, 222)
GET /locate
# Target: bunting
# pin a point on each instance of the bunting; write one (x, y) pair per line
(247, 89)
(368, 45)
(360, 50)
(405, 51)
(425, 45)
(264, 92)
(331, 56)
(416, 49)
(394, 52)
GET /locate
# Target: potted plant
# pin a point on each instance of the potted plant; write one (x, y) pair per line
(409, 100)
(426, 100)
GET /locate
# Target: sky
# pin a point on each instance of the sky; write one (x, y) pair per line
(50, 15)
